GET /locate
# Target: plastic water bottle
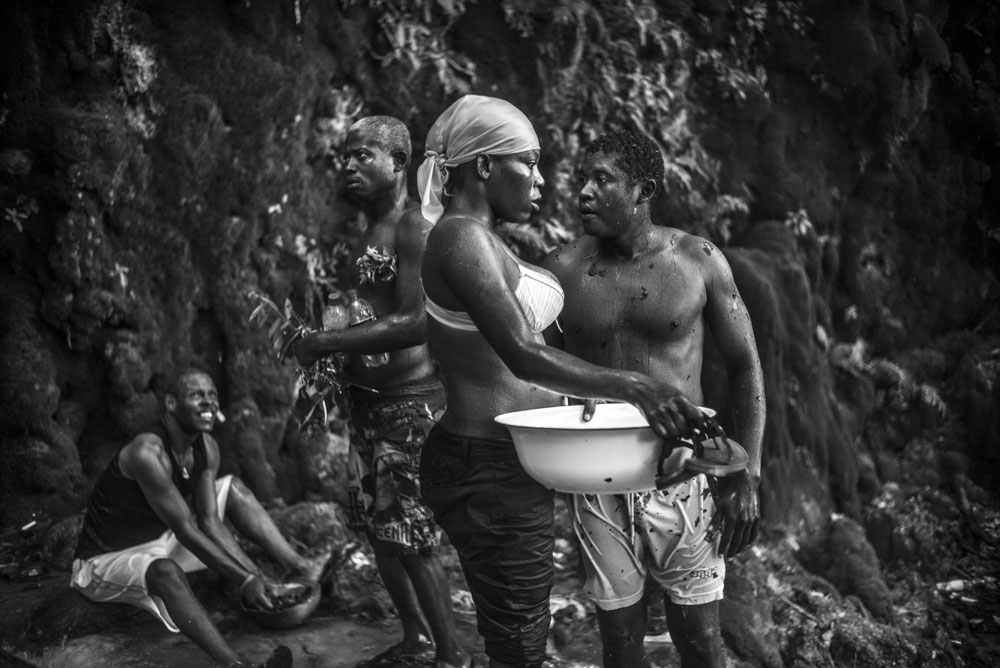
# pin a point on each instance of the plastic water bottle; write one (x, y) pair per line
(335, 314)
(335, 317)
(359, 311)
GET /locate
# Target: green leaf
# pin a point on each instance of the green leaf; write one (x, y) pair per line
(275, 326)
(257, 312)
(295, 335)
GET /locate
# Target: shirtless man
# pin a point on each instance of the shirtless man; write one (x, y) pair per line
(394, 405)
(157, 513)
(641, 296)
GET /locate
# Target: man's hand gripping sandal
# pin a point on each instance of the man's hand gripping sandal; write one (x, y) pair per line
(706, 450)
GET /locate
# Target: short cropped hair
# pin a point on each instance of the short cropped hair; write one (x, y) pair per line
(388, 132)
(635, 153)
(176, 387)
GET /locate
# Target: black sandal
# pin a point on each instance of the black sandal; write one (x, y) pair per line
(281, 657)
(715, 455)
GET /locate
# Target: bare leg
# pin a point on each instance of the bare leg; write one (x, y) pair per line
(397, 583)
(252, 521)
(434, 593)
(165, 579)
(622, 633)
(696, 634)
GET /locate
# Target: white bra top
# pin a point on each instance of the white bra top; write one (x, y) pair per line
(538, 292)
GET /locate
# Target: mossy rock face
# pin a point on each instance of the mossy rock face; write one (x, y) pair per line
(161, 160)
(849, 49)
(746, 617)
(68, 614)
(805, 430)
(58, 543)
(842, 554)
(917, 526)
(40, 465)
(928, 43)
(246, 449)
(29, 392)
(777, 613)
(977, 399)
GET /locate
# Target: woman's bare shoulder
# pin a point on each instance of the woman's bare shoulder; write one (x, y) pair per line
(455, 233)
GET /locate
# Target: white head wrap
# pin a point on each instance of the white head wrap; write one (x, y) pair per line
(472, 125)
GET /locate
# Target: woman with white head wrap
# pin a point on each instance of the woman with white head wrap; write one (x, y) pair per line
(487, 312)
(475, 125)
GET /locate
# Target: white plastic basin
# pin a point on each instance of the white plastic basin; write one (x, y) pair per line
(614, 453)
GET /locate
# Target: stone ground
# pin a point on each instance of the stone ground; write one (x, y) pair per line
(776, 613)
(135, 639)
(45, 624)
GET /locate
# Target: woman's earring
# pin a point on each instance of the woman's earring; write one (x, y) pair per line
(634, 209)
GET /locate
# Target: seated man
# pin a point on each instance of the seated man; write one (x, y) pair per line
(642, 296)
(157, 513)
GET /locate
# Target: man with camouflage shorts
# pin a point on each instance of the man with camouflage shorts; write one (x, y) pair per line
(393, 404)
(388, 429)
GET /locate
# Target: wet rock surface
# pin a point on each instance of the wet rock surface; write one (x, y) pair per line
(777, 612)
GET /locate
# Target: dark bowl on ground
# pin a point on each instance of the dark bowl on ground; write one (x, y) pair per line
(290, 616)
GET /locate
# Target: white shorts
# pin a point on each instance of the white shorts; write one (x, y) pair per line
(666, 537)
(120, 577)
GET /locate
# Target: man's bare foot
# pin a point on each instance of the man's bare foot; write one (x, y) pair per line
(402, 654)
(312, 567)
(465, 662)
(281, 657)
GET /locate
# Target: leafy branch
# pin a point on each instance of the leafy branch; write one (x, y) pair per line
(315, 385)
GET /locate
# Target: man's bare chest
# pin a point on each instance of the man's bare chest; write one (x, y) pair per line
(644, 300)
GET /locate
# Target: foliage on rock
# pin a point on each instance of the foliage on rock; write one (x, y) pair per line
(175, 158)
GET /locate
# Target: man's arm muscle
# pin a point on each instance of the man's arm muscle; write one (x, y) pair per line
(147, 462)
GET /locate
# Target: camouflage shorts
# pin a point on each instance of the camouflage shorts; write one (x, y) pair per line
(383, 483)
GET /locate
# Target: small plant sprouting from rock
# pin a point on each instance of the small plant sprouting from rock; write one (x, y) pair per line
(24, 208)
(735, 80)
(896, 386)
(720, 214)
(798, 222)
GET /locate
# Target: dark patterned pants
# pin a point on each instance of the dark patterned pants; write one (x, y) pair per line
(387, 434)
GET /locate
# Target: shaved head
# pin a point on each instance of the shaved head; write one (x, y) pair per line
(387, 132)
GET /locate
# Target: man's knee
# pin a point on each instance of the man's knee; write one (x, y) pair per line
(239, 493)
(424, 565)
(422, 559)
(163, 575)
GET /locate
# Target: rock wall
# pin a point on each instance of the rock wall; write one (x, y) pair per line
(159, 161)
